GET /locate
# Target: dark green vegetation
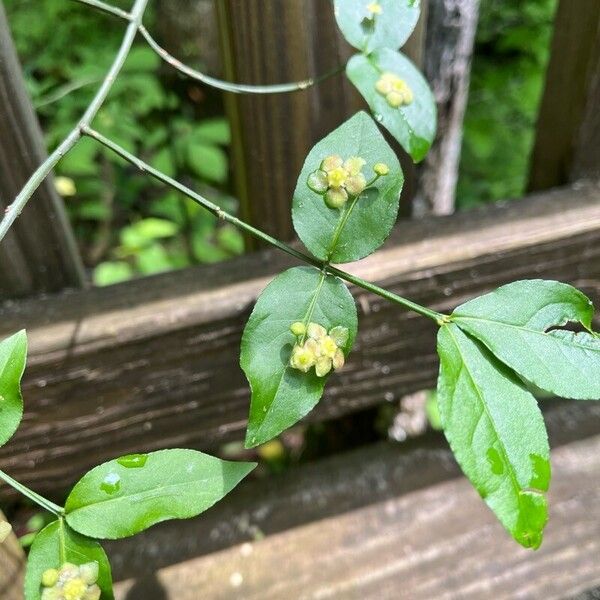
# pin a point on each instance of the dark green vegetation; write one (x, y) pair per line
(511, 54)
(126, 225)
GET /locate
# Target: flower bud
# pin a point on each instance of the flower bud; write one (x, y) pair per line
(395, 99)
(336, 197)
(323, 366)
(5, 530)
(381, 169)
(298, 328)
(49, 577)
(93, 593)
(52, 594)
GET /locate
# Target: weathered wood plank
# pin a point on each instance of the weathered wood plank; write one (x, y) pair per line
(153, 363)
(570, 102)
(12, 568)
(320, 490)
(438, 542)
(39, 254)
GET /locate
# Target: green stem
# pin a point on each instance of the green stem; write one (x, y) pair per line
(107, 8)
(234, 88)
(226, 86)
(33, 496)
(15, 209)
(219, 212)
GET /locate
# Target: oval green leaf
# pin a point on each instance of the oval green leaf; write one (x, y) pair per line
(13, 355)
(514, 321)
(368, 25)
(57, 544)
(413, 125)
(497, 433)
(360, 227)
(126, 496)
(281, 395)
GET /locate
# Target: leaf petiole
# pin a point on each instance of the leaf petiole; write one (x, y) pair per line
(33, 496)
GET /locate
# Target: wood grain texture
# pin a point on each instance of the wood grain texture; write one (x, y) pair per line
(451, 27)
(571, 98)
(437, 542)
(39, 254)
(154, 362)
(12, 568)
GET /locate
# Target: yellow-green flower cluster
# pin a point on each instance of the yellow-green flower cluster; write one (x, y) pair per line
(396, 91)
(374, 8)
(318, 348)
(337, 180)
(71, 582)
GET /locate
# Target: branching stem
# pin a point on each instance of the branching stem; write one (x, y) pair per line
(225, 216)
(15, 209)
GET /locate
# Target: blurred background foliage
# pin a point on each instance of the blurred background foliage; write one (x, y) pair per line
(127, 226)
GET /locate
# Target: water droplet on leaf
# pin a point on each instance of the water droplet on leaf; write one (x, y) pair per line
(133, 461)
(111, 483)
(496, 462)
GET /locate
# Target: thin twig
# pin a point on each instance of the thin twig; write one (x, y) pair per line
(226, 86)
(14, 209)
(107, 8)
(225, 216)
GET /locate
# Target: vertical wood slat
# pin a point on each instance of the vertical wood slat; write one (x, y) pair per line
(270, 41)
(451, 29)
(39, 254)
(12, 568)
(568, 129)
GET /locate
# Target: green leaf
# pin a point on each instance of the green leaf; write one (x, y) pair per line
(413, 125)
(363, 224)
(213, 131)
(367, 30)
(57, 544)
(281, 395)
(513, 323)
(496, 432)
(125, 496)
(13, 355)
(207, 161)
(109, 273)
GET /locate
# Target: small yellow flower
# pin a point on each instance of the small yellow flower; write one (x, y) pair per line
(302, 359)
(396, 91)
(321, 350)
(336, 180)
(327, 347)
(375, 8)
(74, 589)
(337, 177)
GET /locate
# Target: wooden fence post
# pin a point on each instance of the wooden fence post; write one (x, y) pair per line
(39, 254)
(12, 568)
(568, 129)
(451, 28)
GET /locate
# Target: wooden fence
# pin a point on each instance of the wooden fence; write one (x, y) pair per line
(153, 363)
